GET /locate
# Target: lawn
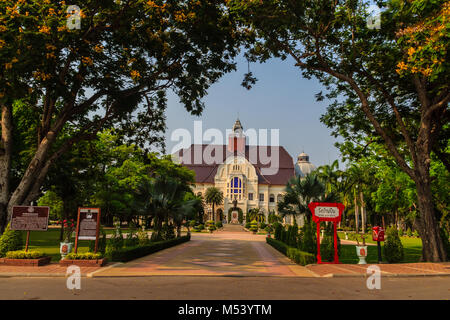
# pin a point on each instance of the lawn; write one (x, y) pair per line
(48, 242)
(412, 248)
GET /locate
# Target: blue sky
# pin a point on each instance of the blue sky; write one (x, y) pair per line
(281, 99)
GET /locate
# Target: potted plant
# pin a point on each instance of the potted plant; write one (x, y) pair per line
(361, 250)
(211, 228)
(66, 246)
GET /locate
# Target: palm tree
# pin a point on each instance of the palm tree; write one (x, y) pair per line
(167, 201)
(300, 192)
(213, 196)
(330, 175)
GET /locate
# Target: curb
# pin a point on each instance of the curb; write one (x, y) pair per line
(386, 275)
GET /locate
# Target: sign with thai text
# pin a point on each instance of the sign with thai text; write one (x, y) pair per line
(29, 218)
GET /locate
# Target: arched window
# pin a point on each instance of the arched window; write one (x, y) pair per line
(236, 188)
(279, 197)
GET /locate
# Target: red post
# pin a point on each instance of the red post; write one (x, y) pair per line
(336, 256)
(319, 258)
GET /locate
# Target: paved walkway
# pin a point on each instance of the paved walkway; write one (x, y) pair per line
(229, 252)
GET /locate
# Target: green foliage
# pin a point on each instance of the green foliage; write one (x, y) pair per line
(296, 255)
(219, 224)
(127, 254)
(199, 227)
(308, 240)
(168, 231)
(84, 256)
(55, 202)
(278, 227)
(142, 235)
(192, 223)
(262, 225)
(22, 254)
(445, 236)
(10, 240)
(101, 242)
(214, 197)
(327, 244)
(247, 225)
(254, 226)
(131, 239)
(409, 232)
(393, 248)
(292, 235)
(212, 227)
(400, 232)
(240, 215)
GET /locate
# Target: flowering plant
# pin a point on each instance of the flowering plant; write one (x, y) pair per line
(69, 227)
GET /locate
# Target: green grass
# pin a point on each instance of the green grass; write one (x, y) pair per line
(412, 248)
(48, 242)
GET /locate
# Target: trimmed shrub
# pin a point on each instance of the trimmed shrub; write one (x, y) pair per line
(292, 235)
(240, 216)
(219, 224)
(127, 254)
(22, 254)
(278, 227)
(393, 248)
(254, 226)
(84, 256)
(308, 241)
(10, 240)
(400, 233)
(200, 227)
(192, 223)
(142, 235)
(296, 255)
(327, 244)
(211, 227)
(247, 225)
(262, 225)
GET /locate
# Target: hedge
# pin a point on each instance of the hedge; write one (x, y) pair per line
(131, 253)
(300, 257)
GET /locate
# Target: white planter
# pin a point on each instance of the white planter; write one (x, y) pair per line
(361, 252)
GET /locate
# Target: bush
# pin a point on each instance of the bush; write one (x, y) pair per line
(268, 229)
(308, 241)
(416, 234)
(247, 225)
(167, 231)
(192, 223)
(200, 227)
(240, 216)
(296, 255)
(292, 235)
(101, 242)
(254, 226)
(212, 227)
(400, 233)
(131, 240)
(22, 254)
(10, 240)
(262, 225)
(219, 225)
(142, 236)
(84, 256)
(278, 227)
(393, 248)
(327, 244)
(409, 232)
(127, 254)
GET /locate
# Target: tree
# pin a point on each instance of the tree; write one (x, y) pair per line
(376, 94)
(125, 53)
(299, 193)
(214, 197)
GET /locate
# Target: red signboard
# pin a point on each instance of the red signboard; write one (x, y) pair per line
(377, 233)
(29, 218)
(325, 211)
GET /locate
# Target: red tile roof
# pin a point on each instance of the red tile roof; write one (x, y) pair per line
(205, 170)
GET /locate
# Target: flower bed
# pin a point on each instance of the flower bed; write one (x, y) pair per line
(84, 259)
(26, 258)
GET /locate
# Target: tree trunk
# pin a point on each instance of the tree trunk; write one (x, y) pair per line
(5, 163)
(363, 213)
(432, 245)
(356, 214)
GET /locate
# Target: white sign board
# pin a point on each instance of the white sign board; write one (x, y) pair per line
(326, 212)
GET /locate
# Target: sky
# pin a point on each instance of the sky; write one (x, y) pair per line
(281, 99)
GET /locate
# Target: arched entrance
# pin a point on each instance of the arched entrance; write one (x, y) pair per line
(235, 215)
(219, 215)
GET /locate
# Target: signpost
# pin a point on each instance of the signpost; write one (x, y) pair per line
(378, 236)
(29, 218)
(324, 211)
(88, 225)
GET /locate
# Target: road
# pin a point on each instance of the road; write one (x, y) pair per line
(225, 288)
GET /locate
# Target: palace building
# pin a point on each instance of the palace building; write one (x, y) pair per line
(248, 176)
